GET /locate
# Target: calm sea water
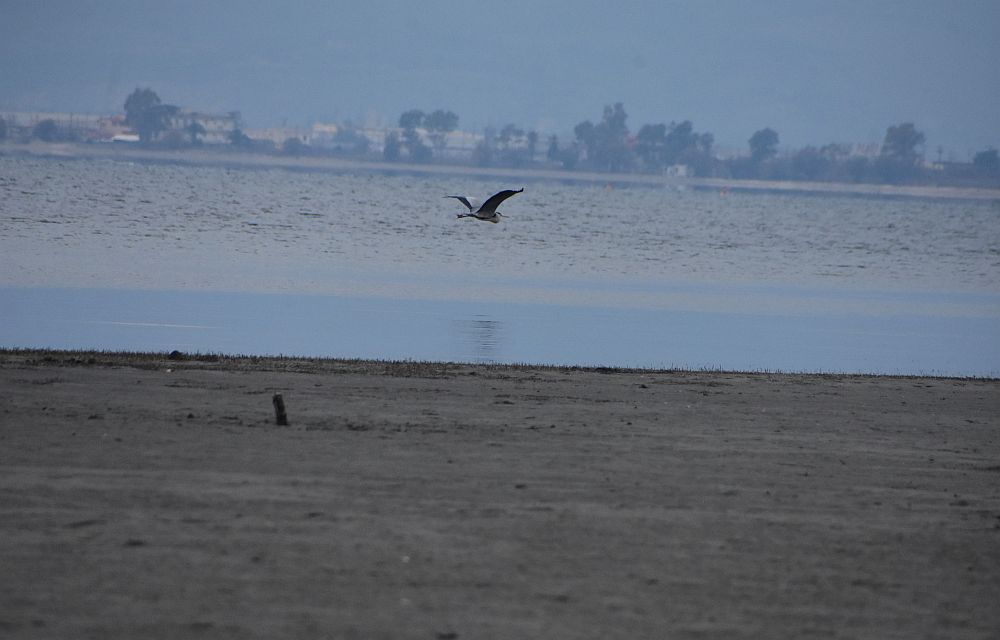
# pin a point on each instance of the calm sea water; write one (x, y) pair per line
(114, 255)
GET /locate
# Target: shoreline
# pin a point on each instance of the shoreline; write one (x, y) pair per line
(144, 495)
(243, 160)
(228, 362)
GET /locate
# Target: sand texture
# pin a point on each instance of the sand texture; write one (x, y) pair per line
(147, 497)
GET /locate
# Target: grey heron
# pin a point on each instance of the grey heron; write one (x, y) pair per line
(488, 211)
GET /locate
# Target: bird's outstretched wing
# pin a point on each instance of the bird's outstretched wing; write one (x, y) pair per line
(463, 200)
(491, 205)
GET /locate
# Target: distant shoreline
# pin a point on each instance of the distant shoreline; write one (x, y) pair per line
(212, 157)
(231, 362)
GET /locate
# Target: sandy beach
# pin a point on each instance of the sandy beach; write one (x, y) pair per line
(144, 496)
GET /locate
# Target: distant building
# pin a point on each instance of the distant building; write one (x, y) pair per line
(462, 143)
(678, 171)
(278, 136)
(72, 126)
(323, 134)
(217, 127)
(103, 128)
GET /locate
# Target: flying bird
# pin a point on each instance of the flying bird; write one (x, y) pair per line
(488, 212)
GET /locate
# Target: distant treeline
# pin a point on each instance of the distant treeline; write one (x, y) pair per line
(607, 145)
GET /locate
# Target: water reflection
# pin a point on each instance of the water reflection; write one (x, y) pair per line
(331, 326)
(482, 338)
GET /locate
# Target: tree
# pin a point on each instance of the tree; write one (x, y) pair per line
(138, 106)
(195, 129)
(138, 102)
(651, 146)
(901, 142)
(509, 134)
(158, 119)
(809, 163)
(512, 145)
(553, 151)
(441, 120)
(606, 142)
(586, 134)
(698, 154)
(763, 144)
(482, 154)
(147, 115)
(858, 168)
(899, 159)
(47, 130)
(532, 145)
(439, 124)
(239, 139)
(411, 119)
(415, 147)
(173, 139)
(392, 148)
(612, 134)
(419, 152)
(680, 138)
(294, 147)
(658, 146)
(566, 156)
(350, 140)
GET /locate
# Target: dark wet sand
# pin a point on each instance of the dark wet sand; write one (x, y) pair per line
(142, 497)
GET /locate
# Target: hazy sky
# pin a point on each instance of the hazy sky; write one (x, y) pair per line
(816, 71)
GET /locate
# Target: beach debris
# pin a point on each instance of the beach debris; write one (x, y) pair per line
(79, 524)
(280, 417)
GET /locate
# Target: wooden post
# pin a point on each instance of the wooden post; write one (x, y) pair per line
(280, 418)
